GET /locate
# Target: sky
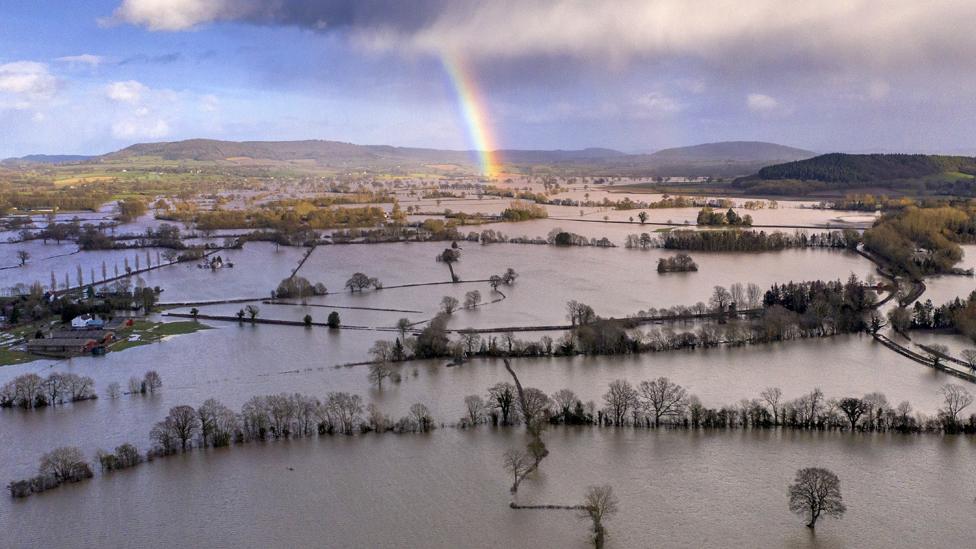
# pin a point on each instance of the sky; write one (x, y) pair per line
(92, 76)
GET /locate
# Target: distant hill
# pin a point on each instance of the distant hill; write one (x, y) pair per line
(47, 159)
(732, 151)
(914, 173)
(728, 159)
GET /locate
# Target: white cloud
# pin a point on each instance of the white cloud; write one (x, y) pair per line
(28, 82)
(129, 91)
(174, 15)
(759, 102)
(83, 59)
(657, 104)
(209, 103)
(137, 127)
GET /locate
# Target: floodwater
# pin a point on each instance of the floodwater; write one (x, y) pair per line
(235, 362)
(447, 489)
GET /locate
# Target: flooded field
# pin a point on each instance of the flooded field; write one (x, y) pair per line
(447, 489)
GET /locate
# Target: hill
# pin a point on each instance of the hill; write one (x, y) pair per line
(892, 173)
(727, 159)
(732, 151)
(46, 159)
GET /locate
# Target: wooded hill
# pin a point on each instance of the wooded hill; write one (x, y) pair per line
(899, 173)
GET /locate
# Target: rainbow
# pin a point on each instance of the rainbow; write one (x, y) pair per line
(474, 112)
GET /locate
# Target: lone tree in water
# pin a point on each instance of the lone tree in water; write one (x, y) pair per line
(814, 492)
(598, 504)
(450, 256)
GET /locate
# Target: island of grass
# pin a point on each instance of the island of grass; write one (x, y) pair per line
(144, 332)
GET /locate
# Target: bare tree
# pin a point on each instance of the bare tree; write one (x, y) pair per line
(853, 408)
(956, 399)
(450, 256)
(815, 492)
(113, 390)
(599, 504)
(754, 294)
(252, 311)
(475, 407)
(402, 326)
(518, 463)
(184, 423)
(969, 355)
(662, 398)
(502, 396)
(23, 256)
(65, 464)
(472, 299)
(772, 396)
(449, 304)
(151, 382)
(620, 398)
(378, 371)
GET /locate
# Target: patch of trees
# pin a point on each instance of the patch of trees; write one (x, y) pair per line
(298, 287)
(29, 391)
(922, 241)
(131, 209)
(59, 466)
(286, 220)
(753, 241)
(865, 168)
(680, 263)
(559, 237)
(359, 282)
(520, 210)
(709, 217)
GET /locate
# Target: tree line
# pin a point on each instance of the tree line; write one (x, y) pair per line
(213, 425)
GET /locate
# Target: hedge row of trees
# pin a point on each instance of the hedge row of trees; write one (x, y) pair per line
(213, 424)
(751, 241)
(30, 391)
(662, 402)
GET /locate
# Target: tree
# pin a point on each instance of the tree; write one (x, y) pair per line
(518, 463)
(194, 312)
(642, 216)
(359, 282)
(814, 492)
(853, 408)
(23, 256)
(307, 319)
(772, 395)
(969, 355)
(620, 399)
(449, 304)
(495, 281)
(450, 256)
(474, 405)
(184, 423)
(662, 398)
(721, 300)
(402, 326)
(502, 396)
(333, 320)
(65, 464)
(599, 504)
(378, 371)
(113, 390)
(956, 399)
(151, 382)
(252, 312)
(472, 299)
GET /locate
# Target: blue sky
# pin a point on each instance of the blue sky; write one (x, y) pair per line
(858, 75)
